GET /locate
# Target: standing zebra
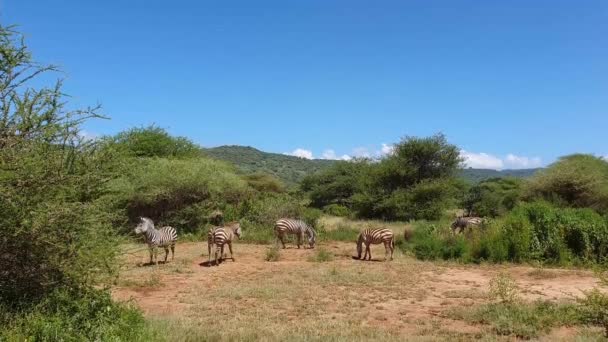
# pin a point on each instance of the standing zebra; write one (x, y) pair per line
(225, 235)
(461, 223)
(210, 236)
(294, 227)
(164, 237)
(375, 236)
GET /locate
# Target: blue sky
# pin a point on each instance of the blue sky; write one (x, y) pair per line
(513, 83)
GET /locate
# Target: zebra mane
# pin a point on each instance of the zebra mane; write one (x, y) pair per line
(146, 223)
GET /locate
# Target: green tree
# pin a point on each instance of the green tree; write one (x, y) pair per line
(579, 181)
(493, 197)
(152, 141)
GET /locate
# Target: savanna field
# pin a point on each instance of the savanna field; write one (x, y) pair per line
(478, 254)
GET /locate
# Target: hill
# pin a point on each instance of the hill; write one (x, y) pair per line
(289, 169)
(292, 169)
(478, 175)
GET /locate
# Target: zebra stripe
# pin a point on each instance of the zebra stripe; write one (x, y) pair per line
(461, 223)
(224, 236)
(210, 236)
(164, 237)
(294, 227)
(376, 236)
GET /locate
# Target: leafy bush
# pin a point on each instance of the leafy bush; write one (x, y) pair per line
(493, 197)
(579, 181)
(336, 210)
(81, 315)
(273, 254)
(263, 182)
(181, 192)
(152, 141)
(504, 288)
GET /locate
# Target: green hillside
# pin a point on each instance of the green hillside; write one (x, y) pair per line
(478, 175)
(290, 169)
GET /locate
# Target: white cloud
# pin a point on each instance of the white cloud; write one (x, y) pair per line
(489, 161)
(386, 149)
(481, 160)
(302, 153)
(361, 152)
(329, 154)
(517, 162)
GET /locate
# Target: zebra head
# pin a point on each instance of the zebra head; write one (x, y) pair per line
(237, 230)
(143, 226)
(359, 246)
(312, 237)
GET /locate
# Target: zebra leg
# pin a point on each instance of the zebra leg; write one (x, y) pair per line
(172, 252)
(217, 250)
(151, 254)
(299, 240)
(369, 251)
(230, 247)
(282, 241)
(392, 247)
(222, 256)
(166, 253)
(209, 250)
(155, 255)
(387, 250)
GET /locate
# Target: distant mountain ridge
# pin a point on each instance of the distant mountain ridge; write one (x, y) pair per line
(291, 169)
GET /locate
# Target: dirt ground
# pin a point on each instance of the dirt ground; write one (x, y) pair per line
(342, 299)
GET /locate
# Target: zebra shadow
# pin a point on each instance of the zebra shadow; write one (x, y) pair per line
(148, 264)
(212, 262)
(373, 260)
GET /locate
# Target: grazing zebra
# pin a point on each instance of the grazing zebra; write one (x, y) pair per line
(375, 236)
(164, 237)
(210, 236)
(461, 223)
(294, 227)
(225, 235)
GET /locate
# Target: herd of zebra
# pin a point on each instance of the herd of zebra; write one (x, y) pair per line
(166, 237)
(219, 237)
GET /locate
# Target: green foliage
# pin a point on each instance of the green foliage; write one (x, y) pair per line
(416, 181)
(341, 233)
(322, 255)
(76, 316)
(522, 320)
(579, 181)
(181, 193)
(531, 232)
(152, 141)
(337, 210)
(273, 254)
(57, 241)
(265, 183)
(493, 197)
(504, 288)
(55, 234)
(474, 176)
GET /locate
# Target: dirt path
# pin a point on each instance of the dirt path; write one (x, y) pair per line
(405, 297)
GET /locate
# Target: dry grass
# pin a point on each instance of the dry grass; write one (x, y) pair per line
(341, 299)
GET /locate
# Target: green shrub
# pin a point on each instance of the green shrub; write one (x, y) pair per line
(322, 255)
(76, 315)
(336, 210)
(151, 141)
(273, 254)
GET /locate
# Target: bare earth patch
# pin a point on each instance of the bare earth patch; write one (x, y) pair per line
(343, 299)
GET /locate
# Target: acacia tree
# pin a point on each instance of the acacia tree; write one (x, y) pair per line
(54, 234)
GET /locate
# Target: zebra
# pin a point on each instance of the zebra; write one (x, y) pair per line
(462, 222)
(295, 227)
(210, 242)
(225, 235)
(375, 236)
(164, 237)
